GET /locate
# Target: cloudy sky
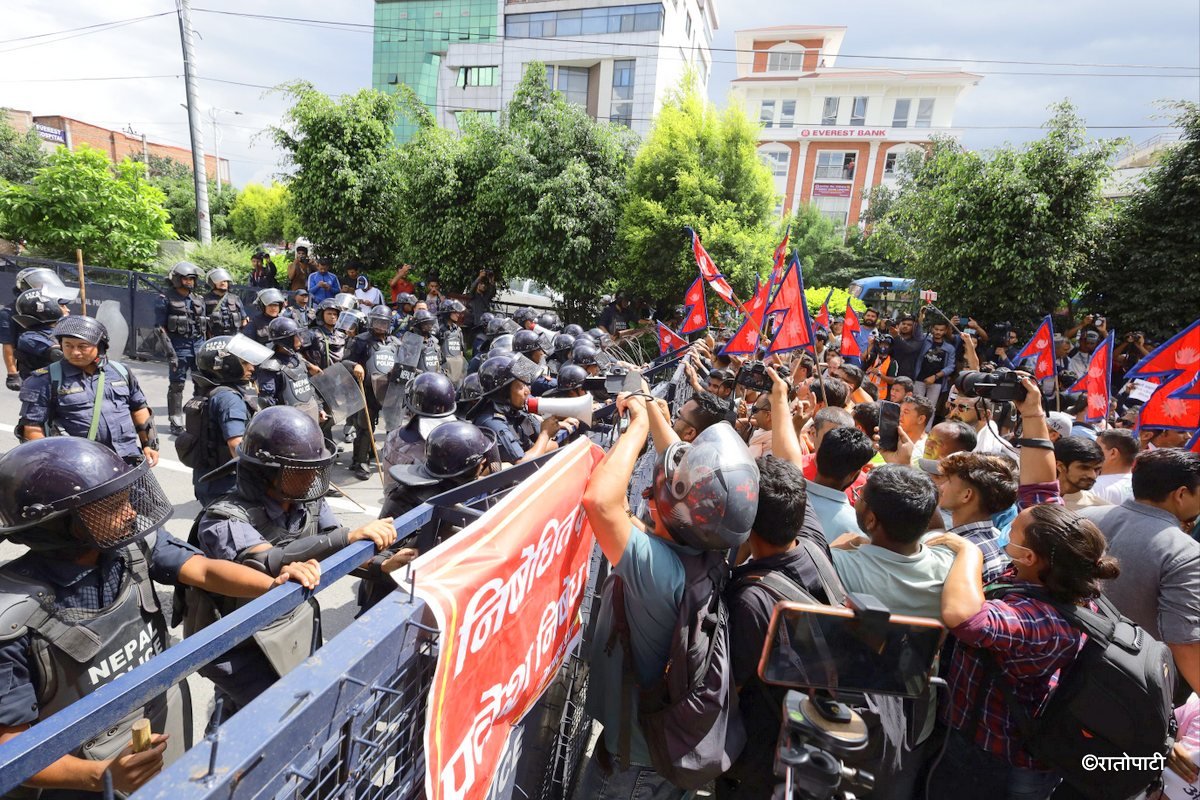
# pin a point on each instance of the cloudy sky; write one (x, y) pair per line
(1151, 39)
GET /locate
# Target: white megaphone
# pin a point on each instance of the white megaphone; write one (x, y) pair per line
(578, 407)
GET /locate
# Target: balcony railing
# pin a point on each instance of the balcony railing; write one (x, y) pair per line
(836, 173)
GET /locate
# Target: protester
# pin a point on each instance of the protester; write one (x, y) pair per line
(1120, 448)
(915, 414)
(299, 270)
(1078, 461)
(974, 488)
(262, 272)
(323, 284)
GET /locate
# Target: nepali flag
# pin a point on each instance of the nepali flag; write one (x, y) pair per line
(795, 327)
(745, 340)
(822, 319)
(1176, 403)
(1179, 353)
(780, 260)
(850, 326)
(1040, 347)
(709, 271)
(669, 340)
(1097, 381)
(695, 309)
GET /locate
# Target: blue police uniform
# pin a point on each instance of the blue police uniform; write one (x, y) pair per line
(8, 333)
(228, 414)
(36, 348)
(542, 384)
(69, 404)
(182, 317)
(515, 430)
(224, 314)
(256, 327)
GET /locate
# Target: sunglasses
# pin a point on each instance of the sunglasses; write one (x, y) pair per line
(962, 406)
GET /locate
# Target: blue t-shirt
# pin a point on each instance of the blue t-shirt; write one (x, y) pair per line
(318, 294)
(653, 577)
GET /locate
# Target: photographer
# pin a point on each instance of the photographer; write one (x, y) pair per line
(481, 291)
(298, 271)
(1131, 348)
(262, 272)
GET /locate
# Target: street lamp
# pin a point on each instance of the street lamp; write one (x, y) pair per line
(212, 114)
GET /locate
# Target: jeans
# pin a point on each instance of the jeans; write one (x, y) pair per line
(967, 771)
(931, 392)
(635, 783)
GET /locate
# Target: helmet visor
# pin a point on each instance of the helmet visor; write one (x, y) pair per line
(248, 350)
(347, 321)
(130, 507)
(304, 483)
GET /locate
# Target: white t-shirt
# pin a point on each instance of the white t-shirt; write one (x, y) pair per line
(372, 295)
(1116, 488)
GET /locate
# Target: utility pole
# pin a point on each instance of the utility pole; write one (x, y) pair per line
(146, 155)
(199, 172)
(212, 113)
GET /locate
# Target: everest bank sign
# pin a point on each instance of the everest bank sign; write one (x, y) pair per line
(506, 593)
(844, 133)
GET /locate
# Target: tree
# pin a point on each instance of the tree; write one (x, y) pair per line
(536, 196)
(180, 203)
(20, 154)
(1144, 274)
(1001, 236)
(698, 167)
(346, 188)
(263, 214)
(81, 200)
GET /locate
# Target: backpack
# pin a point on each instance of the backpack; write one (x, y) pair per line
(193, 446)
(689, 714)
(1113, 702)
(783, 588)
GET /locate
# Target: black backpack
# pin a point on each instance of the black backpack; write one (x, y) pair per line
(193, 446)
(783, 588)
(1113, 702)
(689, 714)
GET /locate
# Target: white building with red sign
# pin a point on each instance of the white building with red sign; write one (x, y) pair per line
(831, 134)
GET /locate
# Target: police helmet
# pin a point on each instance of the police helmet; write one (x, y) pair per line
(283, 449)
(573, 329)
(34, 308)
(586, 338)
(45, 279)
(423, 322)
(523, 315)
(595, 333)
(454, 450)
(269, 297)
(501, 344)
(563, 344)
(57, 491)
(184, 269)
(282, 332)
(485, 319)
(345, 301)
(453, 306)
(406, 299)
(706, 490)
(498, 325)
(89, 329)
(525, 342)
(220, 358)
(218, 275)
(499, 372)
(549, 320)
(585, 356)
(329, 304)
(431, 398)
(380, 320)
(570, 378)
(469, 393)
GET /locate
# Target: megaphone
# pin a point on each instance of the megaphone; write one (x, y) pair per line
(578, 407)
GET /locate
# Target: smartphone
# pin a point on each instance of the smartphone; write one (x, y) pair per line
(829, 647)
(889, 426)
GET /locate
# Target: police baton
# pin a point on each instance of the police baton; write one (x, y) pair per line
(82, 285)
(371, 433)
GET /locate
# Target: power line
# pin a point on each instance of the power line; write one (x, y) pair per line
(367, 28)
(75, 33)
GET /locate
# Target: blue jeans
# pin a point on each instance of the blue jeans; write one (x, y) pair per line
(635, 783)
(967, 771)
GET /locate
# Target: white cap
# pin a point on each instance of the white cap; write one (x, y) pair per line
(1060, 421)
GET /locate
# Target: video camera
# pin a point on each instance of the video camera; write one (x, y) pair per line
(997, 386)
(998, 333)
(753, 375)
(612, 383)
(829, 651)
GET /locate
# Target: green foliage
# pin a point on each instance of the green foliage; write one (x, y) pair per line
(815, 296)
(1003, 236)
(226, 253)
(536, 196)
(698, 167)
(80, 200)
(346, 190)
(20, 154)
(1144, 275)
(179, 195)
(263, 214)
(831, 255)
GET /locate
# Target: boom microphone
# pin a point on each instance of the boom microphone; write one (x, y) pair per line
(578, 407)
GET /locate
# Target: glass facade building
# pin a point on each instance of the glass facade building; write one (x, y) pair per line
(412, 37)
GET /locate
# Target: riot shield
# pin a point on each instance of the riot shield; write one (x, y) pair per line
(109, 314)
(455, 369)
(340, 390)
(393, 409)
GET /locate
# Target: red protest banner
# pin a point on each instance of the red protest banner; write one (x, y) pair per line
(506, 593)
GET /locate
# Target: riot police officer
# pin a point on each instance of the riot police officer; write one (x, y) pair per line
(327, 344)
(423, 325)
(300, 309)
(480, 327)
(429, 401)
(455, 454)
(268, 304)
(89, 396)
(36, 313)
(529, 344)
(550, 321)
(80, 604)
(526, 318)
(560, 352)
(179, 317)
(505, 381)
(222, 308)
(573, 329)
(283, 379)
(586, 356)
(216, 416)
(468, 395)
(276, 515)
(377, 351)
(405, 304)
(29, 278)
(453, 346)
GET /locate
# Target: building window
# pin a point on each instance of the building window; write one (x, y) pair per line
(787, 114)
(830, 112)
(858, 114)
(460, 117)
(778, 161)
(621, 110)
(786, 61)
(924, 112)
(836, 165)
(573, 83)
(836, 209)
(900, 117)
(617, 19)
(476, 76)
(766, 113)
(890, 164)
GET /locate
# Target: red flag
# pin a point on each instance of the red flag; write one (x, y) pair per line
(1194, 444)
(822, 319)
(745, 340)
(695, 308)
(1097, 381)
(1041, 347)
(1180, 352)
(710, 272)
(780, 261)
(669, 340)
(1172, 405)
(850, 327)
(795, 328)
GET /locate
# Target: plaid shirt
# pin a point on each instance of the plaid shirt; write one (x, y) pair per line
(986, 536)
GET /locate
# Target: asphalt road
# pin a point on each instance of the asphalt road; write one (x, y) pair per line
(361, 504)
